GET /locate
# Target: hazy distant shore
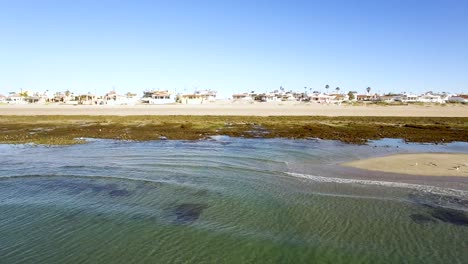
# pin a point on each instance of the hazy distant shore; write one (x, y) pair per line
(234, 109)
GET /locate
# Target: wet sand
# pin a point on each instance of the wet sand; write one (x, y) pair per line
(238, 109)
(426, 164)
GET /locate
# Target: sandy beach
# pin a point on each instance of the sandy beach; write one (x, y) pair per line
(236, 109)
(426, 164)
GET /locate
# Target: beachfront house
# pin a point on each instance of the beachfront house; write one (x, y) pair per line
(66, 97)
(301, 96)
(198, 97)
(353, 95)
(387, 98)
(113, 98)
(243, 97)
(461, 98)
(260, 97)
(431, 98)
(16, 98)
(271, 97)
(288, 96)
(86, 99)
(158, 97)
(321, 98)
(37, 98)
(3, 98)
(406, 98)
(367, 97)
(340, 97)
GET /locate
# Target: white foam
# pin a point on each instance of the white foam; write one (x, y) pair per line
(418, 187)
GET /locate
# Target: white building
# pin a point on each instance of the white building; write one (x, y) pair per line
(431, 98)
(158, 97)
(112, 98)
(199, 97)
(245, 97)
(16, 99)
(406, 98)
(461, 98)
(272, 97)
(322, 98)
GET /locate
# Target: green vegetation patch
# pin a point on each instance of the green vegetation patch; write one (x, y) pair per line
(63, 130)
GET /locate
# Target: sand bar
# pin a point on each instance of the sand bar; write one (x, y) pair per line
(233, 109)
(427, 164)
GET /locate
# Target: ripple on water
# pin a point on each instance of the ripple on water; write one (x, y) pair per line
(202, 202)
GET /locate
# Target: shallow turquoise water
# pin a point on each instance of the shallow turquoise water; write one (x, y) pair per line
(222, 201)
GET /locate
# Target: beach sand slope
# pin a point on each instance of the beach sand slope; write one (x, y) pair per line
(427, 164)
(231, 109)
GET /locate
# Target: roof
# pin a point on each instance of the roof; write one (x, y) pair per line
(158, 93)
(386, 96)
(161, 93)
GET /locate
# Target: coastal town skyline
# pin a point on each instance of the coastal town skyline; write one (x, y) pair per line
(326, 89)
(160, 97)
(233, 47)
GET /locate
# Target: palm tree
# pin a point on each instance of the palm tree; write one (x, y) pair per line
(337, 89)
(326, 87)
(368, 90)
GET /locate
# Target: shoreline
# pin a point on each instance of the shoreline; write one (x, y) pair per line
(416, 164)
(241, 109)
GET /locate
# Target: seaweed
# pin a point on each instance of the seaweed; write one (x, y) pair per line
(64, 130)
(188, 213)
(422, 219)
(451, 216)
(432, 200)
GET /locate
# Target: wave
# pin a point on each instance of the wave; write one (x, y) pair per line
(111, 178)
(418, 187)
(76, 176)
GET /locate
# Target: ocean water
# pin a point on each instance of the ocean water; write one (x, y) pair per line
(224, 200)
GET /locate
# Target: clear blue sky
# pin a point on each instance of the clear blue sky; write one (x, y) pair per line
(233, 46)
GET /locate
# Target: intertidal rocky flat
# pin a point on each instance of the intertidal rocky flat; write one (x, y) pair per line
(69, 129)
(226, 200)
